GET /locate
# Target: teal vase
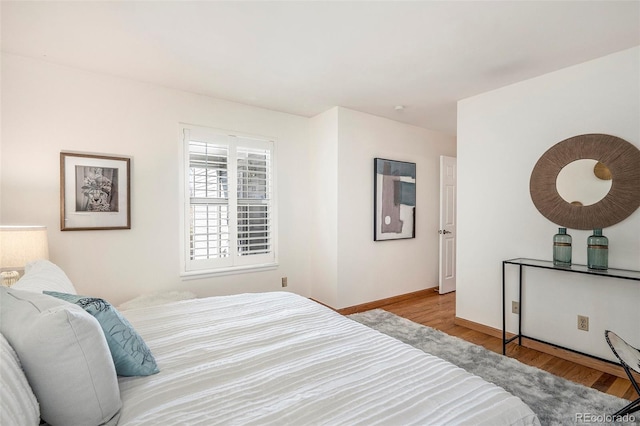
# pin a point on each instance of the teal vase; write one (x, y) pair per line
(562, 248)
(598, 250)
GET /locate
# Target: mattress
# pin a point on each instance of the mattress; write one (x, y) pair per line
(279, 358)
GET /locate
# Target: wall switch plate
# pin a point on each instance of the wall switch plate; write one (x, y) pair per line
(583, 323)
(515, 307)
(284, 281)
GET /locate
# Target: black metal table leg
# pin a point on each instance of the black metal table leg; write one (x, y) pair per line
(520, 308)
(504, 315)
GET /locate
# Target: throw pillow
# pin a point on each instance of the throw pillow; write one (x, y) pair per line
(65, 358)
(42, 275)
(131, 355)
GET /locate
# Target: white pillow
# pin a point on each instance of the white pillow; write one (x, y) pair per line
(65, 357)
(154, 299)
(18, 404)
(42, 275)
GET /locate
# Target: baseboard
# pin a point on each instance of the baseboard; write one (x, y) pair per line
(480, 327)
(323, 304)
(380, 303)
(587, 361)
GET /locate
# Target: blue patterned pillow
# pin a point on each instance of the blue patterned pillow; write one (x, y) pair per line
(130, 353)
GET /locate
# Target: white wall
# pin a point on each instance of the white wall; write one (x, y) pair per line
(501, 135)
(323, 166)
(371, 270)
(48, 108)
(325, 186)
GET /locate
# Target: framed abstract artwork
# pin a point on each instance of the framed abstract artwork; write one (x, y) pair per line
(94, 192)
(394, 199)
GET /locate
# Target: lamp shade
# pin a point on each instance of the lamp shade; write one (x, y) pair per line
(20, 245)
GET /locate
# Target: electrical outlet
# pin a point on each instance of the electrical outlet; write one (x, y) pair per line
(583, 323)
(284, 281)
(515, 307)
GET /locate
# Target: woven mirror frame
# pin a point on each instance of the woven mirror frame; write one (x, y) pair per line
(623, 161)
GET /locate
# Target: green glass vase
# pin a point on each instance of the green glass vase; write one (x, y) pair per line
(562, 248)
(598, 250)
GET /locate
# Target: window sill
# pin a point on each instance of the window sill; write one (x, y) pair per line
(209, 273)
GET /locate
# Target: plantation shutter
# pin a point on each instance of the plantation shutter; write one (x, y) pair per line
(230, 211)
(209, 199)
(254, 201)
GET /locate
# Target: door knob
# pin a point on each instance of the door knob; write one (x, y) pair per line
(444, 232)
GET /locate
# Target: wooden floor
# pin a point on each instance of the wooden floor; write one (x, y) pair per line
(438, 311)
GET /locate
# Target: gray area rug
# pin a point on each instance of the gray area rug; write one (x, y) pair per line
(555, 400)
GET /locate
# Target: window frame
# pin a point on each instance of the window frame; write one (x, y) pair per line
(234, 263)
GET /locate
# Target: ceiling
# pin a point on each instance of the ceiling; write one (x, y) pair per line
(306, 57)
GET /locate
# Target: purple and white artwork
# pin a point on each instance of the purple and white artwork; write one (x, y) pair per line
(394, 199)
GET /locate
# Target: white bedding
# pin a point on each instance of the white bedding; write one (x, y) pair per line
(278, 358)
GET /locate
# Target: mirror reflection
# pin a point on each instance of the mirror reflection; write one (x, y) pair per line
(584, 182)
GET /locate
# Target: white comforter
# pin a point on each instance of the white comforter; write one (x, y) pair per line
(278, 358)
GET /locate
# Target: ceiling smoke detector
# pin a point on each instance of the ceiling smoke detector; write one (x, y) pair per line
(399, 107)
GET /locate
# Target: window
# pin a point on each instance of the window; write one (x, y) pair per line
(229, 208)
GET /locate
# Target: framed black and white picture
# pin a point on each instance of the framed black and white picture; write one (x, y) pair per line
(94, 192)
(394, 199)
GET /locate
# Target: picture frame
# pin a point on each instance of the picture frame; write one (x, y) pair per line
(394, 197)
(95, 192)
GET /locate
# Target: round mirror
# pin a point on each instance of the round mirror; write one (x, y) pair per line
(583, 182)
(622, 160)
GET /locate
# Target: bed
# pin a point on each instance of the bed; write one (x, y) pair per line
(279, 358)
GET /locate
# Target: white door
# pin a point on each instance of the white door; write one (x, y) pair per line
(447, 224)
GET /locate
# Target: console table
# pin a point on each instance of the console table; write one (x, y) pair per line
(624, 274)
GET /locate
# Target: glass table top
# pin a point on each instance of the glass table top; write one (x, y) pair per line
(581, 269)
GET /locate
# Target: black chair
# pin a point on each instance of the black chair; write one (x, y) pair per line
(630, 360)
